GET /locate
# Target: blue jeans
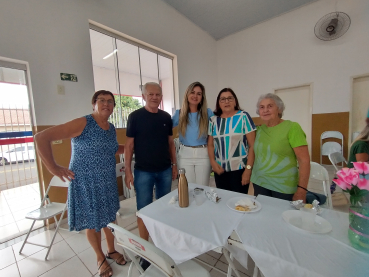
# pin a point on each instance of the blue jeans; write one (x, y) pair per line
(144, 183)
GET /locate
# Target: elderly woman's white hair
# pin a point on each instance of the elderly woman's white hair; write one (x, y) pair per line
(278, 101)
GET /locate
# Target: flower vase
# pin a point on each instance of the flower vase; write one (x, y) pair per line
(358, 231)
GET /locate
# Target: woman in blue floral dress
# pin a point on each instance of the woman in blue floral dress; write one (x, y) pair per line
(93, 198)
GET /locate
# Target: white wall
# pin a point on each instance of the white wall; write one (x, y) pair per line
(284, 52)
(53, 36)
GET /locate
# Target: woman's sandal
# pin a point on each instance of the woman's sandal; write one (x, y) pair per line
(119, 260)
(107, 270)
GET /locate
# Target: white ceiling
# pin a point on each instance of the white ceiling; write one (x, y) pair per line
(221, 18)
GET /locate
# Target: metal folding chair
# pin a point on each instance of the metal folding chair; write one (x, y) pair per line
(48, 210)
(235, 241)
(330, 146)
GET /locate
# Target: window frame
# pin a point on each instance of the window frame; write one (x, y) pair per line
(125, 38)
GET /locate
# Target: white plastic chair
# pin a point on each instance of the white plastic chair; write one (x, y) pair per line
(336, 158)
(161, 263)
(318, 172)
(48, 210)
(120, 171)
(355, 135)
(330, 146)
(126, 215)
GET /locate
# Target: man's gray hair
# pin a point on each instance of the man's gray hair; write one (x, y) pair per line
(150, 84)
(278, 101)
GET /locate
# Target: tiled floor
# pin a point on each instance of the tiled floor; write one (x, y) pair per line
(14, 204)
(72, 255)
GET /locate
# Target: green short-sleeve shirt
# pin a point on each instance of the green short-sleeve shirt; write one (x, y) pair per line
(358, 147)
(275, 165)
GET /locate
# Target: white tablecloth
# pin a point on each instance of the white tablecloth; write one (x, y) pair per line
(184, 233)
(279, 249)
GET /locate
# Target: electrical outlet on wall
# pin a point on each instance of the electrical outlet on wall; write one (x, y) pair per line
(61, 89)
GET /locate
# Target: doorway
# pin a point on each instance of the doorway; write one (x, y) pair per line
(360, 105)
(19, 187)
(298, 107)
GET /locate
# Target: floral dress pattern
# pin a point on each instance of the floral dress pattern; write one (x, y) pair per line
(93, 198)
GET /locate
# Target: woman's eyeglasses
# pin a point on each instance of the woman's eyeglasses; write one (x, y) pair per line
(224, 99)
(104, 101)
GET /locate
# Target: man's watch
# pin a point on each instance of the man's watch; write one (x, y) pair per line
(248, 167)
(174, 164)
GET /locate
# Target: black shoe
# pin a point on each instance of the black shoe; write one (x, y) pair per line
(144, 264)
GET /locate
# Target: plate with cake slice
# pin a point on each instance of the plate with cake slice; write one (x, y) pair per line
(244, 204)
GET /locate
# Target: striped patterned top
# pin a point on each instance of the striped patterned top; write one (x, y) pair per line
(230, 143)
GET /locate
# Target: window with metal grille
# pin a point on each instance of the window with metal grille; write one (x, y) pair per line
(123, 66)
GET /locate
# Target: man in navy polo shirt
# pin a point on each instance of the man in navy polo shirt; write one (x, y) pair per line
(150, 136)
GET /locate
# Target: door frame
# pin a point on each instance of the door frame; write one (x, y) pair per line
(311, 86)
(23, 65)
(352, 106)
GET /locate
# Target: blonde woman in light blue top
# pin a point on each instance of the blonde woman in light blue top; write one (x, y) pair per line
(192, 121)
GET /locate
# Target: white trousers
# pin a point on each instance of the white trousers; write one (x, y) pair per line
(196, 163)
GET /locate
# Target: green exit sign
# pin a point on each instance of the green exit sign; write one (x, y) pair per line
(68, 77)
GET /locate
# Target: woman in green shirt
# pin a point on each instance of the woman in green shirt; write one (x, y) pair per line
(359, 150)
(279, 145)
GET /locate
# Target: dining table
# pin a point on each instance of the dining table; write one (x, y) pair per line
(281, 249)
(277, 247)
(185, 233)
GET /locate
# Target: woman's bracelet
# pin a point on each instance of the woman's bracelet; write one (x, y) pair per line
(302, 187)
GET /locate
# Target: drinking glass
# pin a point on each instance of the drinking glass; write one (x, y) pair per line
(308, 217)
(199, 196)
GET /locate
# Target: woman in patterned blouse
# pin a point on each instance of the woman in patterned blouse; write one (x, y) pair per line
(231, 143)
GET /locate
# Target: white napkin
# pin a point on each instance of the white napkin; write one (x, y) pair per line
(245, 202)
(174, 199)
(297, 202)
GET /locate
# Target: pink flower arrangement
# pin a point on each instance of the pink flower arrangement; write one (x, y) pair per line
(354, 181)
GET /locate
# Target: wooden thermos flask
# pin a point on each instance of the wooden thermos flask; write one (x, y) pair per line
(183, 200)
